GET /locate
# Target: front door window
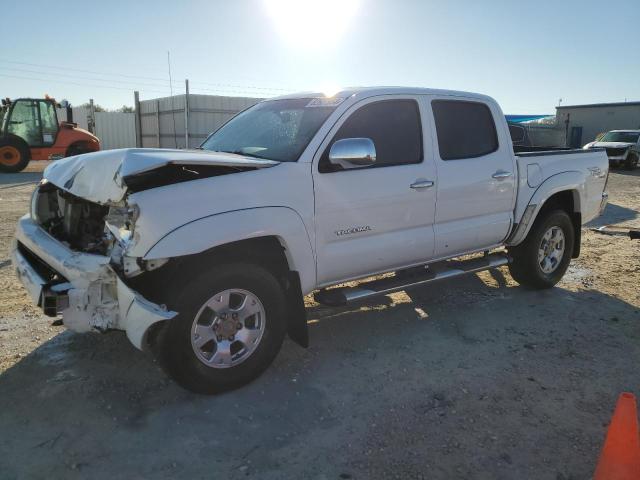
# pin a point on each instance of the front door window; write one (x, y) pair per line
(24, 121)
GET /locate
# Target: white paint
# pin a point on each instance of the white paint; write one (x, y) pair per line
(474, 209)
(400, 219)
(98, 177)
(334, 226)
(98, 299)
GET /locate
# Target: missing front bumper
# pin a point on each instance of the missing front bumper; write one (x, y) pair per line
(84, 289)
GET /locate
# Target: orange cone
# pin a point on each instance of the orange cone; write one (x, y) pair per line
(620, 457)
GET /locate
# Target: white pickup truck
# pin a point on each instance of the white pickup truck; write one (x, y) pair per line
(203, 256)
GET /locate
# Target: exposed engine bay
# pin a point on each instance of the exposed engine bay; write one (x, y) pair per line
(78, 223)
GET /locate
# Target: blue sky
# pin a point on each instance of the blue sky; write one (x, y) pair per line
(526, 54)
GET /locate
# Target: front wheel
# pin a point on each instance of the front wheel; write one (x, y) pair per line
(14, 155)
(542, 259)
(230, 327)
(632, 161)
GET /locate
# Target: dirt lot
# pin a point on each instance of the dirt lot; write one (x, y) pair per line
(476, 378)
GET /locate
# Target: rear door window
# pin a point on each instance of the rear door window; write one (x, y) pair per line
(393, 126)
(465, 129)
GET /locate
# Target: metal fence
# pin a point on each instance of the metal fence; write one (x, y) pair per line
(546, 135)
(162, 121)
(114, 129)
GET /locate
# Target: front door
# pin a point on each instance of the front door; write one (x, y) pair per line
(24, 121)
(49, 122)
(476, 176)
(380, 217)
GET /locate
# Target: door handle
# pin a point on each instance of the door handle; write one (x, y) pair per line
(501, 175)
(421, 184)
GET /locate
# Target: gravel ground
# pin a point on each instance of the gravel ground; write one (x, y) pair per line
(474, 378)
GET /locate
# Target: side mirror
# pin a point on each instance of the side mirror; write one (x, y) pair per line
(353, 152)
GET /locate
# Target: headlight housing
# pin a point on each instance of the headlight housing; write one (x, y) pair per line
(121, 222)
(33, 205)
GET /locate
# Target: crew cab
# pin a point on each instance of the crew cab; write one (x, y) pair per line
(622, 147)
(204, 256)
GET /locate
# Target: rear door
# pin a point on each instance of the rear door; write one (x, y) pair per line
(376, 218)
(476, 175)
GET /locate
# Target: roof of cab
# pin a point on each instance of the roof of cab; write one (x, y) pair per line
(364, 92)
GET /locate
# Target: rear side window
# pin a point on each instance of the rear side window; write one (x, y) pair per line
(465, 129)
(393, 125)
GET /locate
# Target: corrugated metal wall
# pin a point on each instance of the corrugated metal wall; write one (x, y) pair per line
(80, 116)
(162, 119)
(545, 136)
(114, 129)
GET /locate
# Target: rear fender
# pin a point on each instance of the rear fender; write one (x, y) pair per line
(572, 181)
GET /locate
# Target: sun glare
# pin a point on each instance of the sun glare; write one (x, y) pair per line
(329, 90)
(311, 23)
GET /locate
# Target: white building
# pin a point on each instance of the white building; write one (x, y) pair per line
(582, 123)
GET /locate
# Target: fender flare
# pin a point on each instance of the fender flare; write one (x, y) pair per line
(223, 228)
(573, 181)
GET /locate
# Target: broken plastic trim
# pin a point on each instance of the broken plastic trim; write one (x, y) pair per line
(173, 173)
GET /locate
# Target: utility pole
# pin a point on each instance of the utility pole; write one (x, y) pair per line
(173, 113)
(136, 104)
(186, 114)
(92, 117)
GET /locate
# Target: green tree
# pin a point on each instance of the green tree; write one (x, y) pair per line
(96, 107)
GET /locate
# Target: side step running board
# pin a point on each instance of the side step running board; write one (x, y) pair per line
(404, 279)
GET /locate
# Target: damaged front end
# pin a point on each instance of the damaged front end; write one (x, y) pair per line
(72, 248)
(70, 254)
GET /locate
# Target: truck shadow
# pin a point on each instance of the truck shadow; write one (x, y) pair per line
(613, 214)
(14, 179)
(628, 173)
(92, 405)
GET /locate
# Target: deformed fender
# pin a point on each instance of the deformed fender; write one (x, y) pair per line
(138, 314)
(573, 181)
(205, 233)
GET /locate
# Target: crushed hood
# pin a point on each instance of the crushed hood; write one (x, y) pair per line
(101, 177)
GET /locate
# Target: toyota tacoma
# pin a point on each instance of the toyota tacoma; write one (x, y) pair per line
(203, 256)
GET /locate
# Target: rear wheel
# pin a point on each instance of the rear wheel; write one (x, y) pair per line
(230, 327)
(542, 259)
(632, 161)
(14, 155)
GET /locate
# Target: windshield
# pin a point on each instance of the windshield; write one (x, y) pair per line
(629, 137)
(274, 130)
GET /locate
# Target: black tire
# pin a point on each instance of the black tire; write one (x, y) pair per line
(631, 162)
(525, 267)
(14, 155)
(173, 348)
